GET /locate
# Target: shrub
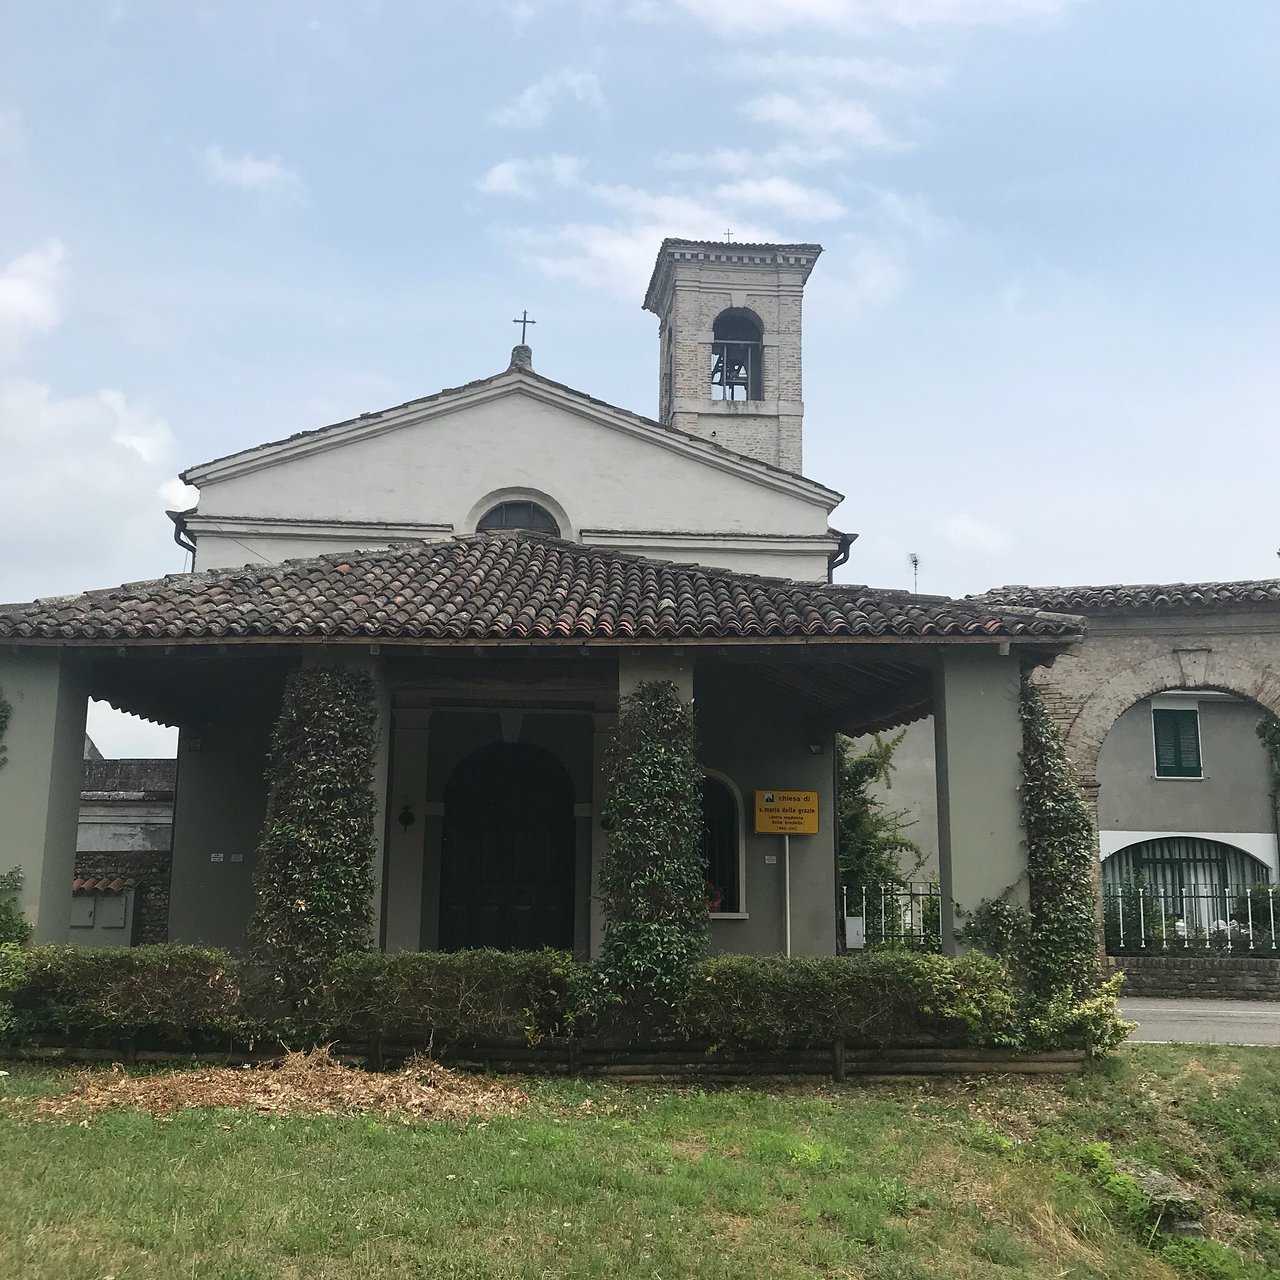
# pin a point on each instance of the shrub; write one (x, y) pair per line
(460, 996)
(13, 924)
(314, 878)
(170, 991)
(872, 999)
(652, 876)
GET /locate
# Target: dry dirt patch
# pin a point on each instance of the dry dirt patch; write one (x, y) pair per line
(312, 1083)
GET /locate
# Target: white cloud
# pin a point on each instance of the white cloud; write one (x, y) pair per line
(823, 116)
(619, 256)
(730, 160)
(750, 16)
(82, 475)
(31, 294)
(523, 177)
(870, 73)
(790, 198)
(81, 489)
(251, 173)
(868, 273)
(532, 108)
(910, 214)
(967, 533)
(722, 160)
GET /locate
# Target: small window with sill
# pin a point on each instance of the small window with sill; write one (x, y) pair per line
(721, 846)
(1177, 742)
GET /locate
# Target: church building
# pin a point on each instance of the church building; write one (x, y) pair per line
(509, 559)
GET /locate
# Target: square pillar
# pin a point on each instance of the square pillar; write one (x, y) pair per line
(982, 849)
(48, 690)
(642, 666)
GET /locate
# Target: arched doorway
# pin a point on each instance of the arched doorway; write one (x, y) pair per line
(507, 851)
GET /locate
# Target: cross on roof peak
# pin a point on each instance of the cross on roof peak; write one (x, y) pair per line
(524, 322)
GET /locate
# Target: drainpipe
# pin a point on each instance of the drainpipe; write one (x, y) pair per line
(841, 554)
(180, 535)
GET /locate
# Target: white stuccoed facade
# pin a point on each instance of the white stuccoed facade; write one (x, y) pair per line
(723, 495)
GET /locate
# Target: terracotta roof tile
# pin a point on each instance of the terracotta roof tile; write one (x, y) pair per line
(1143, 597)
(508, 586)
(103, 884)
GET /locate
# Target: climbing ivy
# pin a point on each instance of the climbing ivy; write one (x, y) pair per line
(872, 845)
(1052, 944)
(314, 876)
(652, 878)
(1062, 949)
(13, 924)
(1268, 731)
(6, 710)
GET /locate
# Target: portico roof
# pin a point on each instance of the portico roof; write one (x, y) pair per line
(511, 587)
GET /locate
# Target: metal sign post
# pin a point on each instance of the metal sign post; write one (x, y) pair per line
(786, 813)
(786, 880)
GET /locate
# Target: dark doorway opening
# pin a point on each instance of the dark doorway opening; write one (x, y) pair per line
(507, 852)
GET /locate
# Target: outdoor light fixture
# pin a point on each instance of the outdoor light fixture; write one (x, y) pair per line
(406, 819)
(816, 748)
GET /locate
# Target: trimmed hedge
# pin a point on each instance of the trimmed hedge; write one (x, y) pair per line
(877, 998)
(459, 996)
(192, 997)
(118, 993)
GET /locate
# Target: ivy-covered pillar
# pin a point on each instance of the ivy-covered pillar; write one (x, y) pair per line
(47, 692)
(978, 741)
(636, 666)
(359, 658)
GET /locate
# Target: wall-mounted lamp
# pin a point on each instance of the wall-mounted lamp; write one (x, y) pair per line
(406, 819)
(816, 748)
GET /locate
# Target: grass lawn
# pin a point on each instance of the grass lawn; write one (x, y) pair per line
(872, 1182)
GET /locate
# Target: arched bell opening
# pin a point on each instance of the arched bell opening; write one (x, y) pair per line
(737, 352)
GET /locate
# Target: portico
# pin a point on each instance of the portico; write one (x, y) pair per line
(500, 660)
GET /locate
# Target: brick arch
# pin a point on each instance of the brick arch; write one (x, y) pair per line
(1104, 705)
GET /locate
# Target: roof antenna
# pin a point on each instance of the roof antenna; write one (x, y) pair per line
(914, 561)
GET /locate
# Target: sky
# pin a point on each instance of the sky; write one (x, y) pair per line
(1042, 344)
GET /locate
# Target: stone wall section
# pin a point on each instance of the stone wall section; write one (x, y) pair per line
(151, 871)
(1201, 977)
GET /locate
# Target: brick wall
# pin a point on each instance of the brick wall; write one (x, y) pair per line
(1125, 660)
(1201, 977)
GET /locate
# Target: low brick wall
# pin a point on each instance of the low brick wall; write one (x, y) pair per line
(1206, 977)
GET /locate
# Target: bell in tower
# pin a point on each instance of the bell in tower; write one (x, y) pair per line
(730, 343)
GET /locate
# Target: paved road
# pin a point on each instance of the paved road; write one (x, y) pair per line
(1203, 1021)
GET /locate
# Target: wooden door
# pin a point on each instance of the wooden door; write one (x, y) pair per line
(507, 853)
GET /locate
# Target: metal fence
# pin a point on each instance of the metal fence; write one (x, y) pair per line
(893, 915)
(1219, 919)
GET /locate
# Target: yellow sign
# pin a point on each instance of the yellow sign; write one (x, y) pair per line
(787, 813)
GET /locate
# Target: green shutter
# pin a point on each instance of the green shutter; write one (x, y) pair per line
(1177, 735)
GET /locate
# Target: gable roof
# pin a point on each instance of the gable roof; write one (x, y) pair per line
(1150, 597)
(519, 375)
(514, 586)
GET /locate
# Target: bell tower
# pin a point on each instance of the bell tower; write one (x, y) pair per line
(729, 338)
